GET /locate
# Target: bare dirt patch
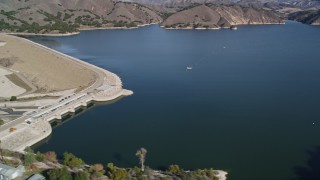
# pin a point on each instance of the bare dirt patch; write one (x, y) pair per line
(8, 61)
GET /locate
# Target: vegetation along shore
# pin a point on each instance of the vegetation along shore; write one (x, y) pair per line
(68, 167)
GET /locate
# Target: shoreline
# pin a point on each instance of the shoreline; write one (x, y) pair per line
(76, 33)
(218, 28)
(130, 28)
(47, 35)
(115, 28)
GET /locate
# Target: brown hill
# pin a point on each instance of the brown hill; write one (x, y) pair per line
(61, 16)
(308, 17)
(216, 16)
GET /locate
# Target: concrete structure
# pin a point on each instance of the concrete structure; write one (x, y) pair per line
(8, 173)
(34, 126)
(36, 177)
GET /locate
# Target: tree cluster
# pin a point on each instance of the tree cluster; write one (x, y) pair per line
(72, 161)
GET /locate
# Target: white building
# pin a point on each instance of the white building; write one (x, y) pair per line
(8, 173)
(36, 177)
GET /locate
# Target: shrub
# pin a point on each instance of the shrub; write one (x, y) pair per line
(51, 156)
(59, 174)
(40, 157)
(13, 98)
(97, 167)
(175, 169)
(72, 161)
(97, 170)
(116, 173)
(29, 156)
(81, 175)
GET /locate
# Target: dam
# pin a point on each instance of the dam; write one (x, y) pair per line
(34, 125)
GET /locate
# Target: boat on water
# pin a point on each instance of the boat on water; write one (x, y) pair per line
(189, 68)
(233, 27)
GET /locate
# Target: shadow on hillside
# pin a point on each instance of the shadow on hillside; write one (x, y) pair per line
(312, 170)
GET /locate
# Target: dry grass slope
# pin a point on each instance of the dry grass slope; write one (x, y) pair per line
(47, 71)
(216, 16)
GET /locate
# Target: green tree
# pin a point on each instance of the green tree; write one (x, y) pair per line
(28, 150)
(116, 173)
(175, 169)
(72, 161)
(211, 173)
(40, 157)
(81, 175)
(1, 122)
(29, 156)
(13, 98)
(59, 174)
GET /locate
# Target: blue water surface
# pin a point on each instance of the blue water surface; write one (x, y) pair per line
(249, 106)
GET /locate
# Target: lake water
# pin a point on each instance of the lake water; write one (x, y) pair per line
(250, 105)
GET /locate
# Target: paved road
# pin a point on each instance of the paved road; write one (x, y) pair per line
(49, 112)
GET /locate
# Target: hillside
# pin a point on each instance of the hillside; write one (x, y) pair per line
(306, 4)
(63, 16)
(220, 16)
(179, 3)
(303, 4)
(284, 7)
(311, 17)
(66, 16)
